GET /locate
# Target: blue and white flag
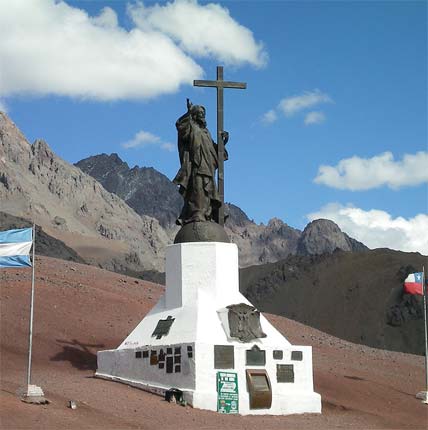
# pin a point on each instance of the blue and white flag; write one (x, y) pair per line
(15, 247)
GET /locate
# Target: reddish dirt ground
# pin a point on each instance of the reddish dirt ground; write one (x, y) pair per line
(80, 309)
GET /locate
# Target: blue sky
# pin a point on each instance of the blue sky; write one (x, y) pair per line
(337, 84)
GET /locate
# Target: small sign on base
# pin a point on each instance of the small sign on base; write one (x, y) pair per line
(227, 393)
(33, 394)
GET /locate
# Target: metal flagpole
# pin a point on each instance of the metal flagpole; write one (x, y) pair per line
(30, 341)
(32, 393)
(425, 330)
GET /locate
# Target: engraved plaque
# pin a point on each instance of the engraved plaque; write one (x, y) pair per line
(161, 355)
(162, 327)
(190, 351)
(278, 354)
(169, 364)
(178, 368)
(297, 355)
(224, 357)
(161, 365)
(154, 358)
(169, 350)
(177, 350)
(145, 354)
(177, 359)
(255, 356)
(137, 354)
(285, 373)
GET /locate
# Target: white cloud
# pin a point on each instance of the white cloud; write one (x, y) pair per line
(314, 117)
(168, 146)
(292, 105)
(202, 30)
(269, 117)
(378, 229)
(50, 47)
(357, 173)
(107, 18)
(145, 138)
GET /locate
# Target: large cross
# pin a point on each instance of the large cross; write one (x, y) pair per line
(220, 85)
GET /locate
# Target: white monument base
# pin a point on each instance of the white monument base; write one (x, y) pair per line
(192, 350)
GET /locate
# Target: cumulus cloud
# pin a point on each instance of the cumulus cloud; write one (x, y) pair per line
(292, 105)
(145, 138)
(314, 117)
(377, 228)
(50, 47)
(202, 30)
(269, 117)
(357, 173)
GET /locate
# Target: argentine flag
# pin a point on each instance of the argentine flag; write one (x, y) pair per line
(15, 247)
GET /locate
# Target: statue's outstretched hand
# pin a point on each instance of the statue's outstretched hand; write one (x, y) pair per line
(225, 136)
(189, 104)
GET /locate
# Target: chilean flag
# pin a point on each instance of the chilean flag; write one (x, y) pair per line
(413, 284)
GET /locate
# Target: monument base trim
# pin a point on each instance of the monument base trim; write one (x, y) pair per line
(295, 403)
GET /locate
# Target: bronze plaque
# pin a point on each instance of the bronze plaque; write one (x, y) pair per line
(255, 356)
(161, 355)
(297, 355)
(285, 373)
(169, 364)
(244, 322)
(259, 388)
(153, 358)
(137, 354)
(278, 354)
(162, 327)
(224, 357)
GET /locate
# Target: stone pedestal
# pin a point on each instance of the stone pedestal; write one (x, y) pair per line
(184, 342)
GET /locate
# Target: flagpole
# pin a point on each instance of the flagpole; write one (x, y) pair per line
(426, 336)
(30, 341)
(32, 393)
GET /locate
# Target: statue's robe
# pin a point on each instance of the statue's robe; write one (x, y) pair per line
(196, 177)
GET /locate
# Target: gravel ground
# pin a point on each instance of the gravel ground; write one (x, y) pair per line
(80, 309)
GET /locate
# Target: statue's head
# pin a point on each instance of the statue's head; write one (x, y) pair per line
(198, 114)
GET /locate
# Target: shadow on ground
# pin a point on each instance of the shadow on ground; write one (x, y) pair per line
(82, 356)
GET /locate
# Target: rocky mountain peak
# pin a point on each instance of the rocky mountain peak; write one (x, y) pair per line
(41, 151)
(275, 223)
(324, 236)
(146, 190)
(71, 206)
(237, 217)
(102, 162)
